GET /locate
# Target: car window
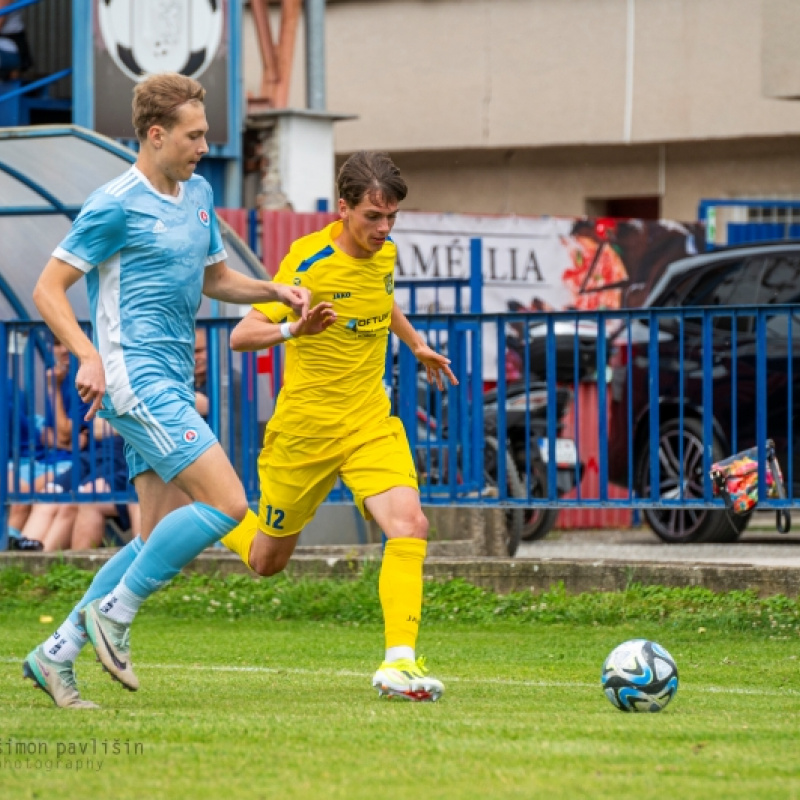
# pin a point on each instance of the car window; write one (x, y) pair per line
(706, 287)
(770, 280)
(778, 327)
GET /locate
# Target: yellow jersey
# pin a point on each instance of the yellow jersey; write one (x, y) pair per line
(333, 381)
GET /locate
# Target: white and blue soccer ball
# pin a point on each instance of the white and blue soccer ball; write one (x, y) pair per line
(640, 675)
(150, 36)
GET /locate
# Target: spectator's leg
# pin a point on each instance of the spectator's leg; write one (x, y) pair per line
(90, 525)
(59, 534)
(39, 520)
(18, 516)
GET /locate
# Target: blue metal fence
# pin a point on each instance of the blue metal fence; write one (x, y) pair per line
(677, 390)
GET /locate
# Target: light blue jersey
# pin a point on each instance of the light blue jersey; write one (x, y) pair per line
(144, 255)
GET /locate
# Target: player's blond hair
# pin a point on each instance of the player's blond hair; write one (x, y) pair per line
(157, 99)
(369, 173)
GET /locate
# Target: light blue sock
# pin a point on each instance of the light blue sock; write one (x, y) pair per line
(107, 577)
(175, 541)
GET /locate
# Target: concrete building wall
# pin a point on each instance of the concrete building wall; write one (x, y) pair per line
(539, 106)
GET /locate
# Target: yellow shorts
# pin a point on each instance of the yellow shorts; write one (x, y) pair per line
(297, 473)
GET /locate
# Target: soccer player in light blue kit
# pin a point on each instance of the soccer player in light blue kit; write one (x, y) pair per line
(149, 245)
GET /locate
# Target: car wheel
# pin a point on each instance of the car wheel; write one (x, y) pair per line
(688, 524)
(514, 516)
(538, 521)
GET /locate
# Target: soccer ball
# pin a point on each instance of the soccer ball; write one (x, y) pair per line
(640, 675)
(151, 36)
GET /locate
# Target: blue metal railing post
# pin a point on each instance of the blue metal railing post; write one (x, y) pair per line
(407, 394)
(455, 410)
(252, 232)
(212, 386)
(552, 422)
(502, 427)
(4, 403)
(761, 400)
(602, 405)
(653, 367)
(476, 398)
(476, 276)
(708, 403)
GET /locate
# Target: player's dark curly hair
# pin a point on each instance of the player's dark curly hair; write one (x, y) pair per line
(156, 100)
(370, 174)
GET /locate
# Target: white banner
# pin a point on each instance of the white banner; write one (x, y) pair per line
(534, 263)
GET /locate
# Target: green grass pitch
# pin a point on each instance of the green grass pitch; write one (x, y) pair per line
(256, 706)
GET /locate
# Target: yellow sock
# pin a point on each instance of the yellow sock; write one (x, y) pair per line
(241, 537)
(400, 590)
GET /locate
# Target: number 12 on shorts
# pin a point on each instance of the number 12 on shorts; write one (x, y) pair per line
(277, 523)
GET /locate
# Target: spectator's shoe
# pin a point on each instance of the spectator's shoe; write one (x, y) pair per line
(56, 678)
(408, 680)
(24, 544)
(112, 643)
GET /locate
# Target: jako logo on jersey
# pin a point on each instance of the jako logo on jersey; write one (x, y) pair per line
(341, 295)
(159, 227)
(202, 215)
(190, 436)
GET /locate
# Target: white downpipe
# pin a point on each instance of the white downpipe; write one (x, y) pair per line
(629, 60)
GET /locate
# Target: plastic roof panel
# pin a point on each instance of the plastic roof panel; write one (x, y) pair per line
(14, 193)
(68, 167)
(62, 166)
(27, 244)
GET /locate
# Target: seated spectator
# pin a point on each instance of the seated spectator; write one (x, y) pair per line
(84, 525)
(15, 53)
(80, 526)
(40, 453)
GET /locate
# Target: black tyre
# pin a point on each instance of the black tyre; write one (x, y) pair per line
(538, 521)
(514, 517)
(688, 524)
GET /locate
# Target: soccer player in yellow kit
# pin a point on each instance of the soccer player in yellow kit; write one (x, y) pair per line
(333, 416)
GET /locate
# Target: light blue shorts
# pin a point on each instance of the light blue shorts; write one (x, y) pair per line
(164, 433)
(30, 469)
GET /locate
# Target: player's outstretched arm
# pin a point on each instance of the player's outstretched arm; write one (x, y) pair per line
(257, 332)
(435, 364)
(220, 282)
(50, 297)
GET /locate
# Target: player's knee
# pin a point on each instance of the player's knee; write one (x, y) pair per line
(235, 507)
(420, 526)
(267, 564)
(411, 526)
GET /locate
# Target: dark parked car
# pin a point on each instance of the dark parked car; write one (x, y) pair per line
(763, 275)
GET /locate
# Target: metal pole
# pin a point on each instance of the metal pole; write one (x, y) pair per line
(315, 54)
(82, 64)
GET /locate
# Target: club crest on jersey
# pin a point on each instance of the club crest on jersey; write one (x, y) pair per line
(203, 216)
(389, 283)
(190, 436)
